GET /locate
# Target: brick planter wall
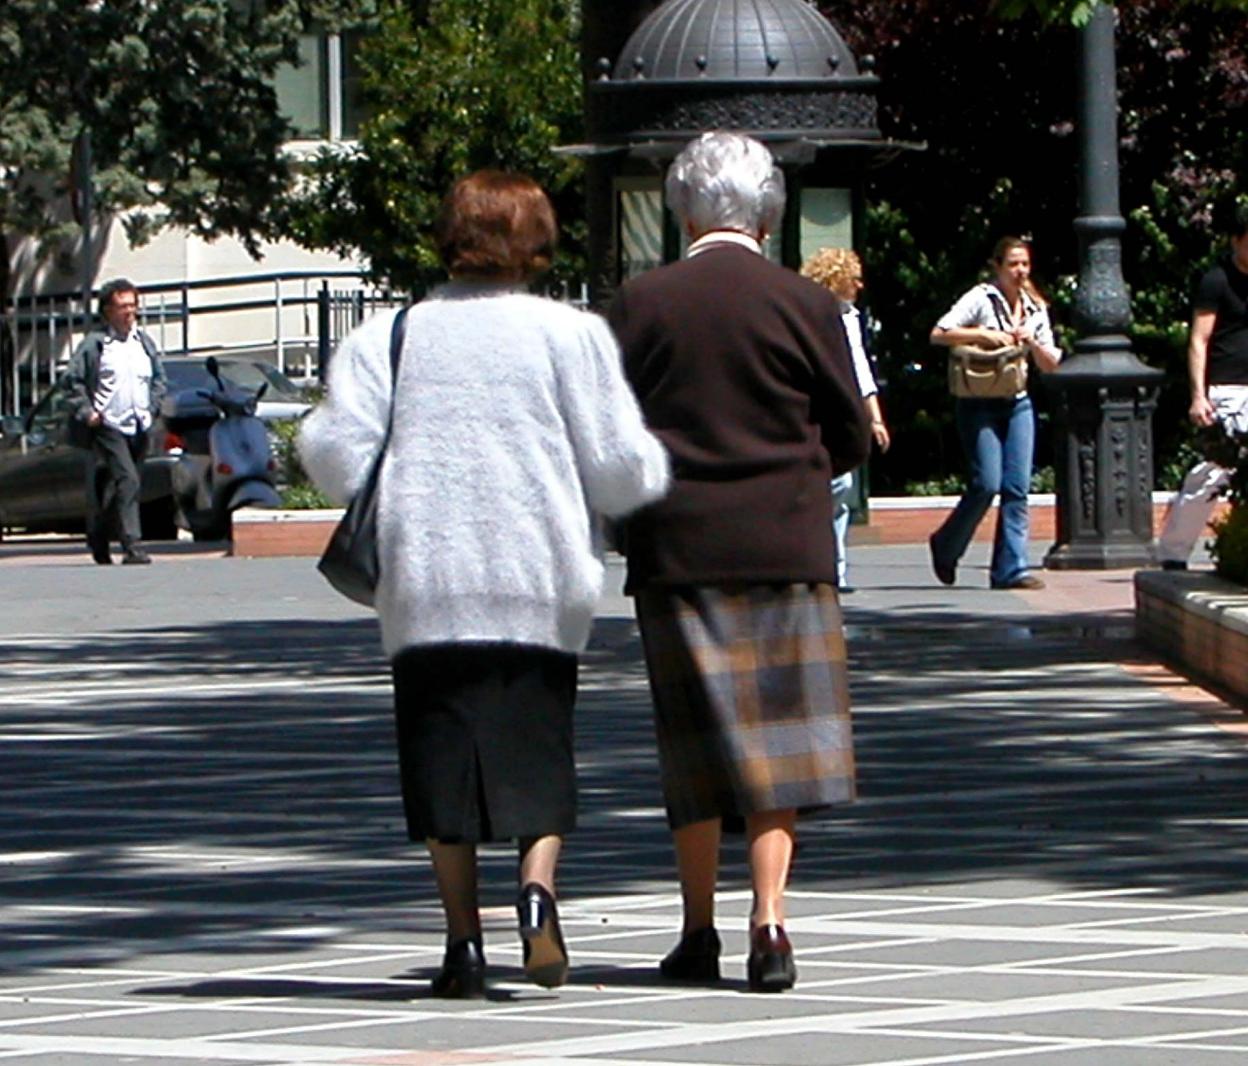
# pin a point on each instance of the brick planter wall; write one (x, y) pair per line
(1198, 622)
(893, 520)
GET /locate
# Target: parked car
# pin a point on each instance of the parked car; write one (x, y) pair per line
(282, 397)
(43, 478)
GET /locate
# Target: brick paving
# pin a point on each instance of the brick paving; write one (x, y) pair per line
(202, 857)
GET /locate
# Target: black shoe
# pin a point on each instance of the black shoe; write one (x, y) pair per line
(134, 555)
(99, 549)
(695, 958)
(846, 590)
(463, 971)
(946, 573)
(545, 956)
(1173, 564)
(770, 967)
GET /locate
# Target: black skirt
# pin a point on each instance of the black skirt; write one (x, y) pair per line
(485, 741)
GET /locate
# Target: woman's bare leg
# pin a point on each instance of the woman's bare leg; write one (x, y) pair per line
(455, 867)
(770, 835)
(697, 866)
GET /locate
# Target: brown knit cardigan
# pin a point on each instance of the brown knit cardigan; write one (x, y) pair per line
(743, 370)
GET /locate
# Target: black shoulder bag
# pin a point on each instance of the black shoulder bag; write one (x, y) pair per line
(350, 560)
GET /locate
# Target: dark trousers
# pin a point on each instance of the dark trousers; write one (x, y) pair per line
(113, 485)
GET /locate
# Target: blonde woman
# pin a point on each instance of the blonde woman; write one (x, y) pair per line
(839, 270)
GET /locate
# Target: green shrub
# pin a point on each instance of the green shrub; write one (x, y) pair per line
(298, 492)
(951, 485)
(304, 498)
(1043, 479)
(1230, 542)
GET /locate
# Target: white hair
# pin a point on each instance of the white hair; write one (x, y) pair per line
(726, 181)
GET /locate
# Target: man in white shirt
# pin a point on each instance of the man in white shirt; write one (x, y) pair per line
(116, 385)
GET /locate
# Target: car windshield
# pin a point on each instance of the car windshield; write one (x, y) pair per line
(192, 374)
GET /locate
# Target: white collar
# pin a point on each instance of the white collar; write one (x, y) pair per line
(1029, 304)
(723, 236)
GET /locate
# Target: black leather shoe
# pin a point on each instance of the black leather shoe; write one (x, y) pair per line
(135, 556)
(545, 956)
(945, 573)
(463, 971)
(770, 967)
(695, 958)
(99, 550)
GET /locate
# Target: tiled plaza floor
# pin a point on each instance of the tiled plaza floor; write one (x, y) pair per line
(202, 856)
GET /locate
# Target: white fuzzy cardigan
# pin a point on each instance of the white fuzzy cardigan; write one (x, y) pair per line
(514, 429)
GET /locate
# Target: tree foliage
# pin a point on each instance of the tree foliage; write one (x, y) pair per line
(452, 87)
(1078, 12)
(178, 96)
(996, 101)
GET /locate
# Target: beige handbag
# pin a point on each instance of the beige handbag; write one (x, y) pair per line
(987, 373)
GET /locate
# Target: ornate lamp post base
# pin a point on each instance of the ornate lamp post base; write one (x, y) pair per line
(1104, 462)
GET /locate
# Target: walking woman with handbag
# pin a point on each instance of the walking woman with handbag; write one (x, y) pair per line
(993, 412)
(513, 432)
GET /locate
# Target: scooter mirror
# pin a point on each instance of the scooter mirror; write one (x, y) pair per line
(211, 365)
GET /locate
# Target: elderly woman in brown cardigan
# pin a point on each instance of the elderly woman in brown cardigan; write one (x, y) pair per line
(743, 371)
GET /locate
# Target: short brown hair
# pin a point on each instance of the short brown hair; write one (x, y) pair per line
(496, 225)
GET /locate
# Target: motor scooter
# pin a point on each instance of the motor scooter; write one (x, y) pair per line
(234, 467)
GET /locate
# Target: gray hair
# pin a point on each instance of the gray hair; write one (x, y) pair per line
(726, 181)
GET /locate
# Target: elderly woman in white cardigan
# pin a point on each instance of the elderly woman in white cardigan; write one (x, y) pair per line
(514, 430)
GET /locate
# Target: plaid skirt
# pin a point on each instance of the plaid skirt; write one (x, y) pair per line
(751, 698)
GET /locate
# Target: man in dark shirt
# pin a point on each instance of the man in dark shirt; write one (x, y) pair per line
(1217, 359)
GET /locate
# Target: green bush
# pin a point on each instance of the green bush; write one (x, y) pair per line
(1230, 545)
(298, 492)
(951, 485)
(1230, 542)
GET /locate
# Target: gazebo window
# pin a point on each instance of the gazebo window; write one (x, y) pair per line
(827, 220)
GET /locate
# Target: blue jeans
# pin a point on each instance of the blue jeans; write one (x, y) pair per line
(999, 438)
(841, 486)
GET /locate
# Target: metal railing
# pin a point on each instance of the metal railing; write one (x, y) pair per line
(291, 318)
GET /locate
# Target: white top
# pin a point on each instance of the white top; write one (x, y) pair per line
(852, 318)
(514, 430)
(985, 305)
(123, 394)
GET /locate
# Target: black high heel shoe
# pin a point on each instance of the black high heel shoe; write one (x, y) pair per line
(545, 956)
(770, 967)
(463, 971)
(695, 958)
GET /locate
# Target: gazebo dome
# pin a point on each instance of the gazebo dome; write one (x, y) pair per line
(728, 39)
(776, 69)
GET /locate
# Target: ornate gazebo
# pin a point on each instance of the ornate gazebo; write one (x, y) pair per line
(775, 69)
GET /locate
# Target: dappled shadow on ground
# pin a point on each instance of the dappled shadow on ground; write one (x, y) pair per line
(232, 789)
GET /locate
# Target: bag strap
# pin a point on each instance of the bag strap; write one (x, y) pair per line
(397, 333)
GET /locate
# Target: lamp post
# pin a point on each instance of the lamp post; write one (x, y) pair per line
(1105, 397)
